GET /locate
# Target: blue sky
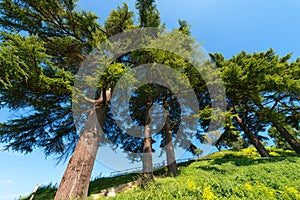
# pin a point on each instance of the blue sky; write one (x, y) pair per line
(223, 26)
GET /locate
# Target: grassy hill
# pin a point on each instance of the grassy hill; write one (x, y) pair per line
(222, 175)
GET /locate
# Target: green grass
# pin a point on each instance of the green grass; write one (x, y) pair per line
(102, 183)
(44, 192)
(222, 175)
(96, 186)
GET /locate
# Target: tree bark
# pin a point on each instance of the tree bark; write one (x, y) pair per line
(283, 132)
(147, 146)
(254, 140)
(289, 138)
(171, 159)
(76, 179)
(257, 144)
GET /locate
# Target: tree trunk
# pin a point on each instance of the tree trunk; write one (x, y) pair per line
(76, 179)
(147, 146)
(289, 138)
(283, 132)
(257, 144)
(171, 160)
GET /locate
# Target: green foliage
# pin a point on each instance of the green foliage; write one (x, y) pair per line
(228, 178)
(280, 142)
(119, 20)
(38, 70)
(250, 153)
(44, 192)
(96, 185)
(184, 27)
(16, 56)
(40, 74)
(221, 175)
(42, 46)
(32, 81)
(148, 13)
(260, 89)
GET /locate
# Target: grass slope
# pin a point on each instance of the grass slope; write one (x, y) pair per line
(222, 175)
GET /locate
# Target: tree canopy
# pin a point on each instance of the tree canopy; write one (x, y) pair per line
(261, 89)
(44, 44)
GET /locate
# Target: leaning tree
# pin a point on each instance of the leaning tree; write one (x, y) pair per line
(261, 89)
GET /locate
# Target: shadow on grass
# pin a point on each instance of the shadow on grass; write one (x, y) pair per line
(186, 164)
(99, 184)
(244, 161)
(212, 168)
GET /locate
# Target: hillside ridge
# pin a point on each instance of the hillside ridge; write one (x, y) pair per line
(227, 174)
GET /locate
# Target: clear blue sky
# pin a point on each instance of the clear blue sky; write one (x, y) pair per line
(226, 26)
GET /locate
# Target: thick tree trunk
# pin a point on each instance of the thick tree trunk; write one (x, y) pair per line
(147, 147)
(76, 179)
(171, 159)
(257, 144)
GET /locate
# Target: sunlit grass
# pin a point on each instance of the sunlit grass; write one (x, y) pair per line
(223, 175)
